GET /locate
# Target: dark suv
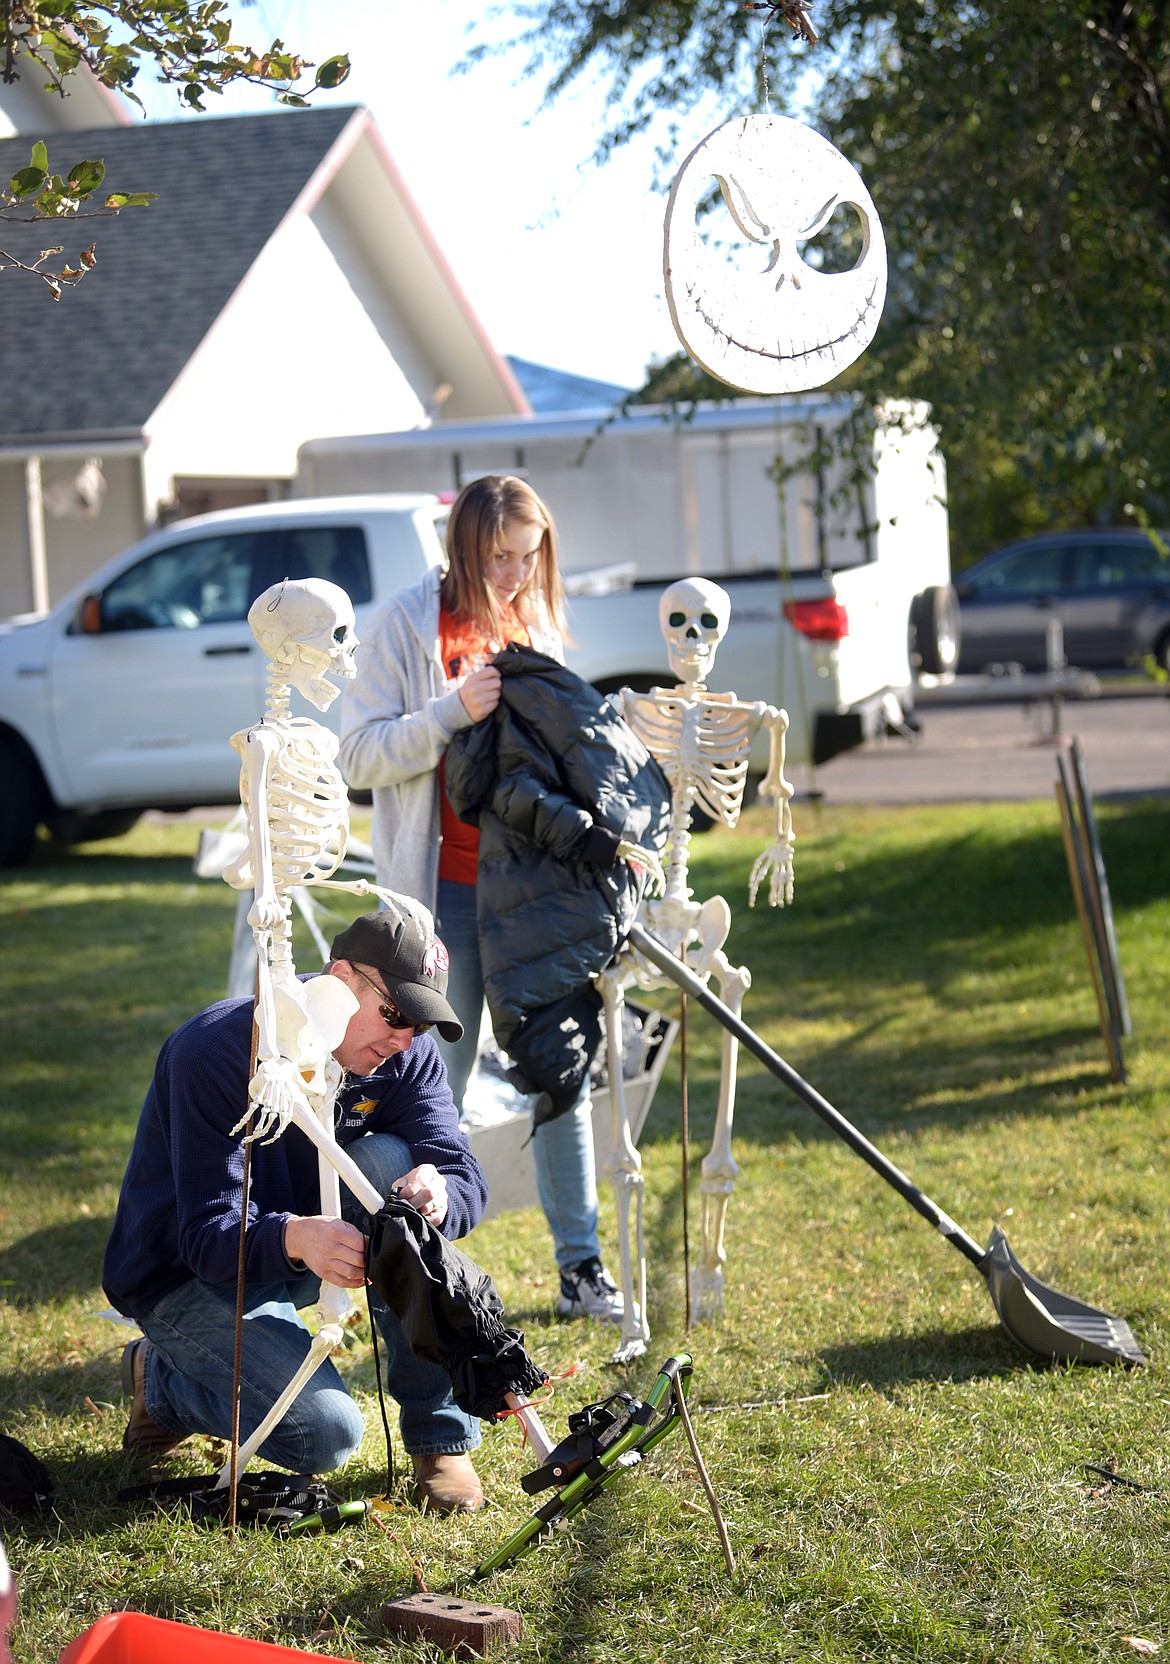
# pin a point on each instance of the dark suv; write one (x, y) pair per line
(1109, 589)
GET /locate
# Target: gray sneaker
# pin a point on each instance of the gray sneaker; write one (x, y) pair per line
(588, 1290)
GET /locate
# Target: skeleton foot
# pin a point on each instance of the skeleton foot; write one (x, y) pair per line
(708, 1285)
(635, 1347)
(707, 1294)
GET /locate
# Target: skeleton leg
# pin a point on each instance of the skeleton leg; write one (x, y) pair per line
(623, 1167)
(719, 1167)
(334, 1304)
(324, 1342)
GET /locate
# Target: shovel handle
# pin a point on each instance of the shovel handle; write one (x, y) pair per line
(653, 950)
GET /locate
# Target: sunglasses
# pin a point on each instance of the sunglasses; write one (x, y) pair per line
(389, 1013)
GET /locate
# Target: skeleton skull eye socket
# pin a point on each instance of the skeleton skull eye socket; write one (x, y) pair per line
(709, 621)
(677, 618)
(339, 634)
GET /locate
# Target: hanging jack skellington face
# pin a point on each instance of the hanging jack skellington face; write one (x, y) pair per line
(790, 326)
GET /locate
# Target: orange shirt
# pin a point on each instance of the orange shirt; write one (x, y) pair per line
(464, 647)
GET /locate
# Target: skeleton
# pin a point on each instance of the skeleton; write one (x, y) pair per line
(790, 326)
(702, 741)
(297, 813)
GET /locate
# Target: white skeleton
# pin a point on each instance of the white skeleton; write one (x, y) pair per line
(702, 741)
(297, 812)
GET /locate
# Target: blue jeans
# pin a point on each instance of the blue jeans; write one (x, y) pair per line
(562, 1150)
(187, 1381)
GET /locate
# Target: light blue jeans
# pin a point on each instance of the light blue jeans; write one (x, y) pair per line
(187, 1382)
(562, 1150)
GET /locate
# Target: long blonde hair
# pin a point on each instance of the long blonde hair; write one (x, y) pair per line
(474, 528)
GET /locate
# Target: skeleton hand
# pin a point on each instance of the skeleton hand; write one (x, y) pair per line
(272, 1092)
(648, 861)
(266, 911)
(776, 861)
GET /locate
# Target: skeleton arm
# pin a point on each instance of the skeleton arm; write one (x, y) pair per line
(776, 861)
(257, 747)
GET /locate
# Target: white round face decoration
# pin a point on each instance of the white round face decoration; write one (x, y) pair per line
(784, 326)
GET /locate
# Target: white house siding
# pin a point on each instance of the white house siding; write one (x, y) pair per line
(298, 354)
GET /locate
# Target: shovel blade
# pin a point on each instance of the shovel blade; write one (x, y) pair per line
(1049, 1323)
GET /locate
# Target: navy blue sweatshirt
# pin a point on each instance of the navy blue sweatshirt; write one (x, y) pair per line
(179, 1208)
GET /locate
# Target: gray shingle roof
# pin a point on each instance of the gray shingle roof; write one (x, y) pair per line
(99, 360)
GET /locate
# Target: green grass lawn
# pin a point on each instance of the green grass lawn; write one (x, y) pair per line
(898, 1479)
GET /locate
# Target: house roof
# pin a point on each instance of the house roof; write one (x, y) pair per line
(550, 390)
(26, 106)
(97, 363)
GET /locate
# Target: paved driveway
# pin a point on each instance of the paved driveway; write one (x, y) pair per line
(1004, 750)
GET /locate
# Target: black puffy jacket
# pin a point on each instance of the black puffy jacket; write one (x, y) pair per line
(553, 779)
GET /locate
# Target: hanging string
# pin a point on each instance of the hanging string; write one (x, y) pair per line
(765, 89)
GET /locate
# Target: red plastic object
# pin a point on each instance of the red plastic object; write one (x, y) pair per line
(134, 1638)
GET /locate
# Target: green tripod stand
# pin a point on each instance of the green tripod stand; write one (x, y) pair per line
(605, 1441)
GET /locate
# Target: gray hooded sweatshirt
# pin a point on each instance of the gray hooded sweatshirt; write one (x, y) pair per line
(397, 718)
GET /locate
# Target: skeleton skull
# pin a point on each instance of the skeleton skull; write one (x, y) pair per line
(790, 326)
(693, 614)
(306, 626)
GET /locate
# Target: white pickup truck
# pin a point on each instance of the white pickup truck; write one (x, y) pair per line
(123, 696)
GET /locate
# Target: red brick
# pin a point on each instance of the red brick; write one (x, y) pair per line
(465, 1628)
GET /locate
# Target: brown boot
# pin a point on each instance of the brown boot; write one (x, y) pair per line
(141, 1432)
(446, 1483)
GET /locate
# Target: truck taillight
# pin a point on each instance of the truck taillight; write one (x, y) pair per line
(818, 620)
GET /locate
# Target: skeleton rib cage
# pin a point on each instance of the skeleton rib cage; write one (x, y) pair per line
(307, 807)
(701, 747)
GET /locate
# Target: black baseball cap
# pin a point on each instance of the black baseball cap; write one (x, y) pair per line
(399, 941)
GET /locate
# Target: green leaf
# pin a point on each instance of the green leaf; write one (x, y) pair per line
(128, 199)
(40, 156)
(86, 177)
(294, 99)
(27, 182)
(333, 71)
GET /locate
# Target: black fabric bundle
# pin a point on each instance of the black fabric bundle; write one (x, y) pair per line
(25, 1482)
(450, 1311)
(554, 779)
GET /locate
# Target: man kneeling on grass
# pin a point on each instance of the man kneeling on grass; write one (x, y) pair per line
(171, 1262)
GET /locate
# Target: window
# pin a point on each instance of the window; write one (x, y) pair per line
(334, 552)
(203, 582)
(1118, 565)
(215, 579)
(1026, 572)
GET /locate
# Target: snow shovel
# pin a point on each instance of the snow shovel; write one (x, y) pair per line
(1041, 1319)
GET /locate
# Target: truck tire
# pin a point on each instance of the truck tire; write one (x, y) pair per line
(70, 827)
(935, 630)
(20, 806)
